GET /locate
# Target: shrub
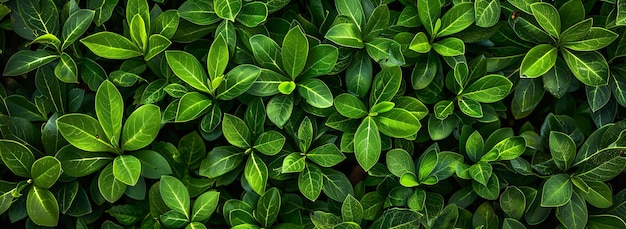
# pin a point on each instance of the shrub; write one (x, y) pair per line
(313, 114)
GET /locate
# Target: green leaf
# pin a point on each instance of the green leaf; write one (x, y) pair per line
(450, 46)
(336, 185)
(237, 81)
(256, 173)
(571, 12)
(351, 210)
(513, 202)
(110, 188)
(326, 155)
(154, 92)
(539, 60)
(16, 157)
(84, 132)
(153, 164)
(66, 70)
(75, 25)
(198, 12)
(386, 85)
(577, 31)
(157, 43)
(345, 34)
(397, 123)
(574, 213)
(204, 206)
(474, 146)
(266, 52)
(175, 194)
(399, 162)
(605, 221)
(111, 46)
(557, 191)
(51, 87)
(489, 191)
(167, 22)
(220, 160)
(25, 61)
(270, 142)
(548, 17)
(79, 163)
(227, 9)
(428, 12)
(488, 89)
(381, 107)
(218, 57)
(563, 150)
(236, 131)
(589, 67)
(470, 107)
(295, 51)
(316, 93)
(110, 109)
(408, 17)
(599, 195)
(268, 207)
(420, 43)
(46, 171)
(42, 207)
(359, 74)
(621, 12)
(379, 20)
(481, 172)
(127, 168)
(104, 10)
(603, 165)
(138, 7)
(293, 163)
(487, 12)
(350, 106)
(367, 143)
(279, 109)
(141, 127)
(188, 69)
(352, 9)
(138, 31)
(456, 19)
(322, 59)
(440, 129)
(310, 182)
(173, 219)
(509, 148)
(304, 135)
(397, 217)
(252, 14)
(596, 38)
(443, 109)
(191, 105)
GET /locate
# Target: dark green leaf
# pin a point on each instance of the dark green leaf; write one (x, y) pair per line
(26, 60)
(16, 157)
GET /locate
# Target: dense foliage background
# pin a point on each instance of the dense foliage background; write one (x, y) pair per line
(313, 113)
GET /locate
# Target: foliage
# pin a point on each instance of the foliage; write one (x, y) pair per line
(313, 114)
